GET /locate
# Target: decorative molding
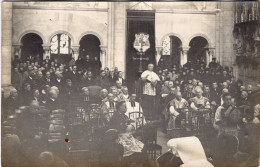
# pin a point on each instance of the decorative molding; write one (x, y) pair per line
(46, 46)
(75, 48)
(172, 34)
(141, 6)
(61, 8)
(31, 31)
(103, 49)
(91, 33)
(201, 35)
(185, 49)
(214, 12)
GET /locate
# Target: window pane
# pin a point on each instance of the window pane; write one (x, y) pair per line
(64, 44)
(54, 45)
(167, 46)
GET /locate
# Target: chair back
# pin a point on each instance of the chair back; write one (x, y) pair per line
(149, 135)
(138, 117)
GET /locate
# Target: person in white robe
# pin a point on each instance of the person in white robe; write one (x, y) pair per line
(150, 80)
(133, 107)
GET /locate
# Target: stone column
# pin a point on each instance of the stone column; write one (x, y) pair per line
(6, 52)
(75, 52)
(184, 56)
(158, 54)
(211, 54)
(103, 56)
(46, 51)
(17, 50)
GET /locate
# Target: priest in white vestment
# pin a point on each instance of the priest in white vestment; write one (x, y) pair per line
(150, 80)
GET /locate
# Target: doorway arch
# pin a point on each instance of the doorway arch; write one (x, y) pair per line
(89, 45)
(171, 53)
(31, 47)
(198, 47)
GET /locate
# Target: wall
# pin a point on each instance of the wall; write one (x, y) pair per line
(6, 43)
(226, 33)
(185, 26)
(47, 19)
(182, 19)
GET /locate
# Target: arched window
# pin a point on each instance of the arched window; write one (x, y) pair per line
(171, 51)
(61, 48)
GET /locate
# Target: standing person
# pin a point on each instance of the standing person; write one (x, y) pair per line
(150, 80)
(223, 121)
(96, 66)
(120, 78)
(16, 78)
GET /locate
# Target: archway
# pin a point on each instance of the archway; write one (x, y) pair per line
(171, 53)
(31, 47)
(198, 46)
(89, 45)
(61, 48)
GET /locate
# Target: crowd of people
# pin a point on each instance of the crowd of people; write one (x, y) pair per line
(171, 95)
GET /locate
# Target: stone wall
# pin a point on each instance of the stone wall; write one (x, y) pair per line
(226, 35)
(6, 40)
(182, 19)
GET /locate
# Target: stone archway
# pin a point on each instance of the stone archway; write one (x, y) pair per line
(198, 49)
(171, 51)
(31, 47)
(89, 45)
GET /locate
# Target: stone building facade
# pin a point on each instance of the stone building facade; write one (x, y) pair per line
(212, 21)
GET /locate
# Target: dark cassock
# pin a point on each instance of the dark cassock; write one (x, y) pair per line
(58, 82)
(87, 81)
(150, 79)
(74, 77)
(53, 104)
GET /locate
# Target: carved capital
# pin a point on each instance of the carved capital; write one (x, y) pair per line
(75, 49)
(185, 50)
(46, 47)
(159, 50)
(103, 49)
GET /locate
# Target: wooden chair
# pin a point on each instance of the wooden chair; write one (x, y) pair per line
(138, 117)
(149, 139)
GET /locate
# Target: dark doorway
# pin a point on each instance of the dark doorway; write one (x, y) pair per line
(139, 22)
(31, 46)
(197, 49)
(89, 45)
(174, 56)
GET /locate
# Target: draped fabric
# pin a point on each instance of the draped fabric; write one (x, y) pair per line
(138, 22)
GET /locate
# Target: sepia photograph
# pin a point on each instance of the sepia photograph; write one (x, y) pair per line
(130, 84)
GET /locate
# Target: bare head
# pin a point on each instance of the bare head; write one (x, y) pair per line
(150, 67)
(198, 92)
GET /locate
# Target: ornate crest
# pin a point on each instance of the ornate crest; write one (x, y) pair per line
(141, 43)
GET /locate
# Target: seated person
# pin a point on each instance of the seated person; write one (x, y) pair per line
(133, 106)
(119, 120)
(111, 151)
(178, 108)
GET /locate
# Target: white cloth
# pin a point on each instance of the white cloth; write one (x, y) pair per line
(151, 76)
(257, 110)
(134, 117)
(190, 151)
